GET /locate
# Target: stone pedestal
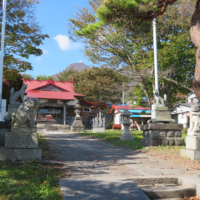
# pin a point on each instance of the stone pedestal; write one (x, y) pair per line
(192, 150)
(162, 134)
(4, 127)
(21, 144)
(99, 130)
(161, 114)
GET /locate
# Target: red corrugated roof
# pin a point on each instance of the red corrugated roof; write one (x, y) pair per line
(50, 95)
(117, 107)
(34, 85)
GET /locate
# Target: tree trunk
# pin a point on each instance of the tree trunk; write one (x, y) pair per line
(195, 36)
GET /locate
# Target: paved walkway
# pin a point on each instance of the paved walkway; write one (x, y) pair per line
(100, 170)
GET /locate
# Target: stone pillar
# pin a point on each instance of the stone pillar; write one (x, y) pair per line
(64, 114)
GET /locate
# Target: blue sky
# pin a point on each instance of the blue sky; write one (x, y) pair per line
(59, 51)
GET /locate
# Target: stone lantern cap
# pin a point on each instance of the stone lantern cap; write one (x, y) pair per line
(126, 117)
(126, 113)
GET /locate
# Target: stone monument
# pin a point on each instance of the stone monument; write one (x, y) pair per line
(77, 125)
(161, 128)
(14, 104)
(21, 143)
(99, 123)
(192, 150)
(126, 135)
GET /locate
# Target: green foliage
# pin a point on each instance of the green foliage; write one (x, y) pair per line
(28, 76)
(129, 49)
(23, 35)
(98, 84)
(44, 77)
(123, 13)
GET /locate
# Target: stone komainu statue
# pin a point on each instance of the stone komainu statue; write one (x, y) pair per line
(25, 115)
(160, 99)
(20, 94)
(194, 120)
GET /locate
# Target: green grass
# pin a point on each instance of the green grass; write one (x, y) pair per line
(113, 137)
(30, 180)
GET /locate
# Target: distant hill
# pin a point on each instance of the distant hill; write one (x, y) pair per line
(76, 66)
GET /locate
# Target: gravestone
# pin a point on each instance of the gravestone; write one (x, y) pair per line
(99, 124)
(161, 128)
(77, 125)
(192, 150)
(21, 143)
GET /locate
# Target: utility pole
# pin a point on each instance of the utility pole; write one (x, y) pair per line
(155, 54)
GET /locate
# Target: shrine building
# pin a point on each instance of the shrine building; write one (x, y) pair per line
(57, 101)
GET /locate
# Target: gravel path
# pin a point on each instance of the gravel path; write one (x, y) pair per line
(100, 170)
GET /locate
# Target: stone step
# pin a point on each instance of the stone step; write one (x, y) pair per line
(163, 191)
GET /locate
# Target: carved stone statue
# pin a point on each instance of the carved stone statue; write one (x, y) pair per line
(15, 96)
(194, 120)
(160, 100)
(25, 115)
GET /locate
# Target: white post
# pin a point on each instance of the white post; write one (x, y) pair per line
(64, 114)
(155, 53)
(122, 126)
(2, 48)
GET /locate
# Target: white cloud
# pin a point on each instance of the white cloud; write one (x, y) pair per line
(44, 51)
(65, 43)
(38, 58)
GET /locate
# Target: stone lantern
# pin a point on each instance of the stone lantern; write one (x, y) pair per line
(126, 135)
(77, 125)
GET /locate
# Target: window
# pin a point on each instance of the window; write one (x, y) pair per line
(86, 109)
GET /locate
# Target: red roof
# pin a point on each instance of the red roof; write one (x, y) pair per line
(118, 107)
(50, 95)
(35, 84)
(67, 87)
(88, 102)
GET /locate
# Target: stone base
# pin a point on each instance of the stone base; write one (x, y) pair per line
(162, 142)
(162, 134)
(99, 130)
(126, 137)
(192, 154)
(20, 154)
(77, 129)
(193, 142)
(21, 140)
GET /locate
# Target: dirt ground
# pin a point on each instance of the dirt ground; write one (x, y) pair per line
(173, 154)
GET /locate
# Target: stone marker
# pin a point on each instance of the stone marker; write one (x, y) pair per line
(77, 125)
(126, 135)
(22, 141)
(161, 128)
(192, 150)
(99, 124)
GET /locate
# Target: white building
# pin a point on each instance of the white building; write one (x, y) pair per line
(181, 113)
